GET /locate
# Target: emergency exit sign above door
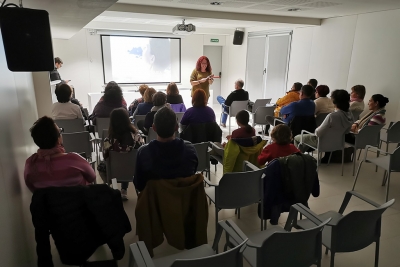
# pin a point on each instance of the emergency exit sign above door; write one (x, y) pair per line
(214, 40)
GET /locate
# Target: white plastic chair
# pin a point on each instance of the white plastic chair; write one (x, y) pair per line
(138, 118)
(260, 103)
(71, 126)
(203, 155)
(260, 115)
(234, 108)
(121, 165)
(179, 116)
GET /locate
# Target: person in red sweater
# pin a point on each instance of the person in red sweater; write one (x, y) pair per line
(281, 147)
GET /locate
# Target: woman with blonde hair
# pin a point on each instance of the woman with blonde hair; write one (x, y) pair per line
(145, 107)
(136, 102)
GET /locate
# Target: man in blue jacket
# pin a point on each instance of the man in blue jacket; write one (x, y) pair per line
(304, 107)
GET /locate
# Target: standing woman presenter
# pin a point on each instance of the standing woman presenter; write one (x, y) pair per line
(202, 76)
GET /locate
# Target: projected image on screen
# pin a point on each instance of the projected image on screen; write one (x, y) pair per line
(130, 59)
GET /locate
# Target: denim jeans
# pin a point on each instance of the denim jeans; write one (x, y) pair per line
(224, 116)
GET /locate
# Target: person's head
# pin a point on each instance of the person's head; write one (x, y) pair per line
(242, 119)
(165, 123)
(341, 99)
(143, 88)
(306, 91)
(321, 91)
(358, 91)
(120, 123)
(297, 86)
(281, 134)
(148, 95)
(159, 99)
(203, 64)
(239, 84)
(63, 92)
(113, 94)
(313, 83)
(58, 62)
(45, 133)
(110, 85)
(172, 89)
(199, 98)
(156, 53)
(377, 101)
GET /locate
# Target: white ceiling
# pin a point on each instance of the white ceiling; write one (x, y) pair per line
(309, 8)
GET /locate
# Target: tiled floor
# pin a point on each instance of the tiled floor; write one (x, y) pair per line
(333, 188)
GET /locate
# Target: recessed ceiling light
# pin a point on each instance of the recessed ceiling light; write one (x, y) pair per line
(216, 3)
(294, 9)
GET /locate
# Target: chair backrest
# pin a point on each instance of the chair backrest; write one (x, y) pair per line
(203, 156)
(231, 258)
(368, 135)
(395, 160)
(320, 118)
(101, 124)
(358, 229)
(237, 106)
(178, 107)
(260, 103)
(138, 118)
(261, 113)
(179, 116)
(332, 140)
(71, 126)
(299, 123)
(121, 165)
(202, 132)
(77, 142)
(152, 135)
(356, 114)
(300, 249)
(393, 133)
(239, 189)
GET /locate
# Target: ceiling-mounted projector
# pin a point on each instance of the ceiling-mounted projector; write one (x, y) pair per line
(184, 29)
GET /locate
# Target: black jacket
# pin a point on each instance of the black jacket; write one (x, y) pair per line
(80, 219)
(202, 132)
(237, 95)
(54, 75)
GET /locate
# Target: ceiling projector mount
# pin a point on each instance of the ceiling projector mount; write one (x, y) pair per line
(184, 29)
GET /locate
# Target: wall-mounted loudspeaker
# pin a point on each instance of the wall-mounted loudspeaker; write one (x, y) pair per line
(27, 39)
(238, 37)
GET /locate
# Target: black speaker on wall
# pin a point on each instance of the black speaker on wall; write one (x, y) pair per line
(238, 37)
(27, 39)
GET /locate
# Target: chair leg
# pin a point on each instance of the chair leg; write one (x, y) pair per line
(384, 178)
(387, 186)
(342, 159)
(326, 251)
(358, 172)
(318, 160)
(359, 154)
(332, 259)
(216, 217)
(238, 213)
(377, 252)
(354, 160)
(330, 155)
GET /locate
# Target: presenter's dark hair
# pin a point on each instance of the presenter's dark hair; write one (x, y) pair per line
(198, 64)
(341, 99)
(243, 118)
(159, 99)
(172, 89)
(160, 49)
(322, 90)
(113, 94)
(58, 60)
(382, 101)
(63, 93)
(120, 124)
(307, 90)
(199, 98)
(165, 122)
(313, 83)
(45, 133)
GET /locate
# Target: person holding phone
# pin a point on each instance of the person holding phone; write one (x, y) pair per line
(54, 74)
(202, 77)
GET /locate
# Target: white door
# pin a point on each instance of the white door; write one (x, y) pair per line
(214, 54)
(255, 69)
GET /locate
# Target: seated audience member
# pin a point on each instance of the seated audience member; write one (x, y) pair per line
(145, 107)
(166, 157)
(122, 137)
(281, 136)
(238, 95)
(112, 99)
(159, 101)
(136, 102)
(323, 104)
(200, 112)
(375, 116)
(304, 107)
(292, 96)
(245, 130)
(357, 98)
(174, 98)
(314, 84)
(338, 121)
(51, 166)
(111, 85)
(64, 109)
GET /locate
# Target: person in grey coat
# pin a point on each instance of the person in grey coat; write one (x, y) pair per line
(340, 119)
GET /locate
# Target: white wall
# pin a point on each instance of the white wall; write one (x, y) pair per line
(17, 114)
(342, 52)
(83, 61)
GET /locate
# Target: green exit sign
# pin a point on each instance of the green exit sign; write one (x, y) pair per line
(214, 40)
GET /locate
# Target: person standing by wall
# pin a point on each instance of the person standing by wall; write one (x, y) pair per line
(202, 77)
